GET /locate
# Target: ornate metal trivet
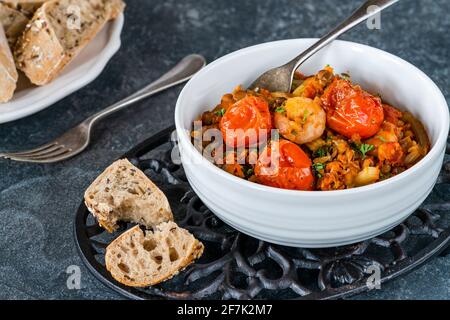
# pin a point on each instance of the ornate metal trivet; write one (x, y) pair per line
(236, 266)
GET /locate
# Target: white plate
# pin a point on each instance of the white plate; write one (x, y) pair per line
(30, 99)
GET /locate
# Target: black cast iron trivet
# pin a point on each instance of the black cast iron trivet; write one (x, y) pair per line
(236, 266)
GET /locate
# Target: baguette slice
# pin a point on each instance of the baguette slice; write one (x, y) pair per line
(58, 32)
(141, 260)
(14, 23)
(124, 193)
(8, 72)
(26, 7)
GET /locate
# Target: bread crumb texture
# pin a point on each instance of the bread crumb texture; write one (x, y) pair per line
(140, 259)
(124, 193)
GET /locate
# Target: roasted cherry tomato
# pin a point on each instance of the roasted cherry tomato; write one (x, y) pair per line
(352, 111)
(244, 121)
(285, 165)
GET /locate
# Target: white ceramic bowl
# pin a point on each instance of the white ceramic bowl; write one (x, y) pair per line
(87, 66)
(320, 218)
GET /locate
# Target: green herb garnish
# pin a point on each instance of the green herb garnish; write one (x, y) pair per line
(365, 148)
(221, 112)
(318, 167)
(280, 110)
(321, 152)
(381, 138)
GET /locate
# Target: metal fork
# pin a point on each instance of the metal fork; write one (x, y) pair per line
(280, 78)
(77, 139)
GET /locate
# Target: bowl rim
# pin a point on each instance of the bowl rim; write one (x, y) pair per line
(437, 150)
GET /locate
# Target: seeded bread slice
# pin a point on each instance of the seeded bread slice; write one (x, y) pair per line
(13, 22)
(124, 193)
(58, 32)
(26, 7)
(141, 260)
(8, 72)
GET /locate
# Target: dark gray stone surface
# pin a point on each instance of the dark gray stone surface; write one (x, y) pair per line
(38, 202)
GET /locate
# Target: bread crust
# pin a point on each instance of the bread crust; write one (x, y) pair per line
(8, 72)
(14, 23)
(27, 7)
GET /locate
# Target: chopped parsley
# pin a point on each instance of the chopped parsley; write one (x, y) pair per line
(280, 110)
(365, 148)
(321, 152)
(381, 138)
(362, 148)
(318, 167)
(221, 112)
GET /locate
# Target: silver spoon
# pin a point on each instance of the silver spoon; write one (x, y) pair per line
(280, 79)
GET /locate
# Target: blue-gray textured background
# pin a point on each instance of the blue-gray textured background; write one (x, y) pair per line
(38, 202)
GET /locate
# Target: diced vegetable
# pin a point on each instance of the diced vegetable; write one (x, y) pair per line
(367, 176)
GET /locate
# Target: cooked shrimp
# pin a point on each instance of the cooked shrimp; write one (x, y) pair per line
(386, 145)
(300, 120)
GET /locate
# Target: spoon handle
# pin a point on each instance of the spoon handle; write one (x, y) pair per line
(367, 10)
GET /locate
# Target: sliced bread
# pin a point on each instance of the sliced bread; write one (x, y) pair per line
(8, 72)
(26, 7)
(124, 193)
(13, 22)
(29, 7)
(58, 32)
(140, 260)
